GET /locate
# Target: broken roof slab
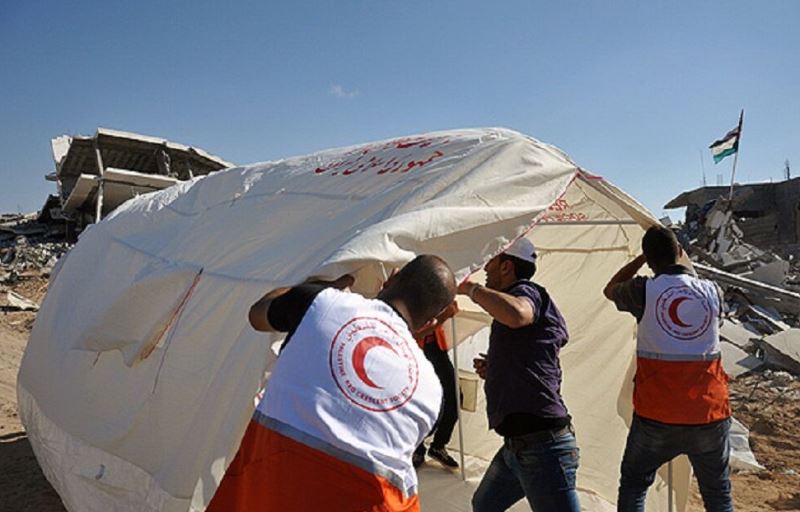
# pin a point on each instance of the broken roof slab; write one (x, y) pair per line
(77, 156)
(119, 185)
(783, 350)
(736, 361)
(74, 155)
(737, 333)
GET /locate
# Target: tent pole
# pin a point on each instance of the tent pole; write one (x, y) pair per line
(669, 486)
(458, 401)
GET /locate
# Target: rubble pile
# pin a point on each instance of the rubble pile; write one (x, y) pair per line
(772, 385)
(761, 285)
(29, 248)
(760, 334)
(712, 235)
(28, 245)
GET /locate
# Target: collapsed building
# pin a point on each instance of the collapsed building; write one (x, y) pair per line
(98, 173)
(94, 175)
(767, 214)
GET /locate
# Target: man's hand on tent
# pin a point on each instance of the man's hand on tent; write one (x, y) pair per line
(480, 364)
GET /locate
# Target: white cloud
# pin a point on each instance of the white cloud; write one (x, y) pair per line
(340, 92)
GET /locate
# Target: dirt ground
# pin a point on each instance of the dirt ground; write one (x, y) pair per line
(772, 414)
(23, 487)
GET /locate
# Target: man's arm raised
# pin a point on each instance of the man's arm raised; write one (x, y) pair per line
(625, 273)
(514, 312)
(259, 312)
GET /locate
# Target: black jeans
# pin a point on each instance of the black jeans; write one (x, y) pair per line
(443, 429)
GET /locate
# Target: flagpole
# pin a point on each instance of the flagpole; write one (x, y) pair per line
(735, 159)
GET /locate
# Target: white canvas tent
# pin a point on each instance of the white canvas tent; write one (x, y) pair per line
(140, 374)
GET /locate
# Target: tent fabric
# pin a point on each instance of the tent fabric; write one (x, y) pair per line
(139, 405)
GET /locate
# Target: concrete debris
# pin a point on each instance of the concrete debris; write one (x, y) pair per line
(763, 317)
(773, 273)
(736, 361)
(739, 334)
(782, 350)
(715, 237)
(781, 299)
(765, 213)
(745, 246)
(17, 302)
(742, 458)
(30, 245)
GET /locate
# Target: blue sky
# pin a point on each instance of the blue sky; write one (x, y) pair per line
(634, 91)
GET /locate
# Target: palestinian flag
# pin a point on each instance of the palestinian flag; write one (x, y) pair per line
(727, 145)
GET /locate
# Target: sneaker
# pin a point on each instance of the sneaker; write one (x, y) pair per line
(442, 456)
(419, 456)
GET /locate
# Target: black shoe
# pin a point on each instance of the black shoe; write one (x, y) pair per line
(441, 455)
(419, 456)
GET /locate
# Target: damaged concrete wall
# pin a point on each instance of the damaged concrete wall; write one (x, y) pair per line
(768, 214)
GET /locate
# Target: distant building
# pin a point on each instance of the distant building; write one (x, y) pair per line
(96, 174)
(767, 213)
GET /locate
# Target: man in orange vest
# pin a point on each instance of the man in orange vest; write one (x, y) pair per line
(350, 398)
(434, 345)
(680, 397)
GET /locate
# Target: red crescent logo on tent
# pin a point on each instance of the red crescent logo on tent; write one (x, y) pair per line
(373, 365)
(683, 323)
(360, 353)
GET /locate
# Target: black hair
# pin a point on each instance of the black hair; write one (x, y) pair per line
(426, 285)
(522, 269)
(660, 247)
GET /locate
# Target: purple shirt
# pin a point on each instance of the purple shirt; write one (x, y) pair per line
(524, 373)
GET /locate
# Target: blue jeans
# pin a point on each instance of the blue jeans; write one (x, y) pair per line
(540, 467)
(651, 444)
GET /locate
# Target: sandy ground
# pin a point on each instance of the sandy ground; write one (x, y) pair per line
(772, 415)
(23, 487)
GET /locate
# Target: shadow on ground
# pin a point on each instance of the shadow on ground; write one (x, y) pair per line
(23, 487)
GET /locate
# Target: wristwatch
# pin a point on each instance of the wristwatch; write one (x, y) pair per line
(471, 293)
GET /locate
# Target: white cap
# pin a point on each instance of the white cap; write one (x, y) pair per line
(523, 249)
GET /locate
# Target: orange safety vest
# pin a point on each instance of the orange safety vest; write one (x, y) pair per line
(349, 400)
(437, 336)
(679, 375)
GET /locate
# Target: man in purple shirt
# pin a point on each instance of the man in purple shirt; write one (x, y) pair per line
(539, 456)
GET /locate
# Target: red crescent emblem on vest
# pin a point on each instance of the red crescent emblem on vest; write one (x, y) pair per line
(694, 321)
(360, 354)
(352, 359)
(673, 312)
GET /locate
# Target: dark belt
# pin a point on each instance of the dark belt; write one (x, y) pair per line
(540, 436)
